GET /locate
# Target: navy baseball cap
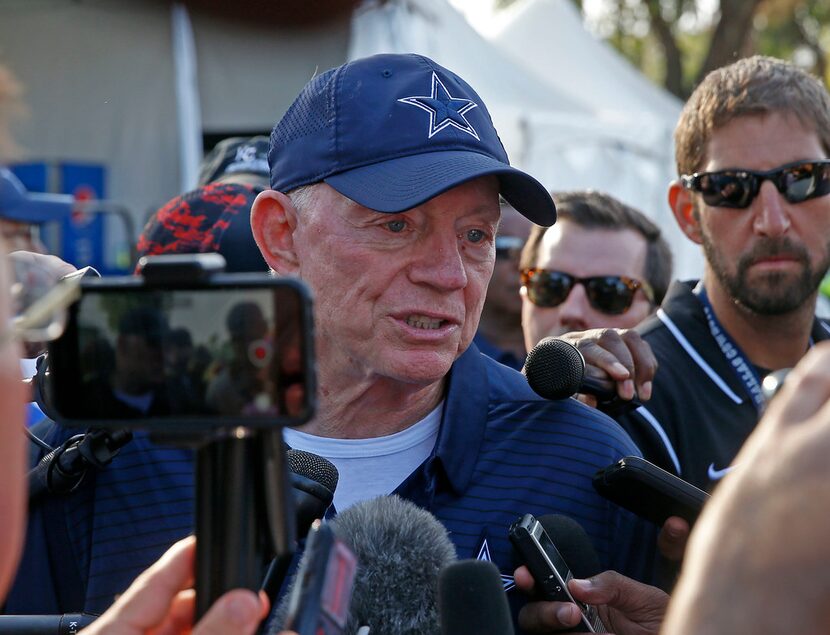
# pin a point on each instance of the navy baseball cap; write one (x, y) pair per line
(18, 204)
(393, 131)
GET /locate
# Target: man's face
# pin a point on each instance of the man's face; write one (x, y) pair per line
(397, 296)
(585, 252)
(771, 256)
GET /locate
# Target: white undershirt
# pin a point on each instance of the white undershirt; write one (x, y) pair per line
(375, 466)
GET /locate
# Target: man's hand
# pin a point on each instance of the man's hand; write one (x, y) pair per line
(619, 354)
(625, 606)
(161, 602)
(33, 276)
(52, 267)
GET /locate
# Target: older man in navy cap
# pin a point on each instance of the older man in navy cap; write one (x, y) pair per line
(22, 212)
(386, 174)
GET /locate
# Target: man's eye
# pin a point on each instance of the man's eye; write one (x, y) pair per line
(396, 226)
(476, 235)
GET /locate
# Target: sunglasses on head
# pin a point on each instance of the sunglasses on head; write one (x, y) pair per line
(797, 182)
(612, 295)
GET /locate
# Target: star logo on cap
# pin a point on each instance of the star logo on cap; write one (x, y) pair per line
(444, 109)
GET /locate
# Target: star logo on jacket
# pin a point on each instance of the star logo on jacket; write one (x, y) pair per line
(444, 109)
(507, 581)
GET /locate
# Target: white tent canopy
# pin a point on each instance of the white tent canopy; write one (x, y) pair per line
(548, 37)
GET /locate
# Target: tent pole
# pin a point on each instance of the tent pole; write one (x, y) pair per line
(188, 107)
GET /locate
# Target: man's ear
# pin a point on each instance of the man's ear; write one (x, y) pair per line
(273, 221)
(683, 205)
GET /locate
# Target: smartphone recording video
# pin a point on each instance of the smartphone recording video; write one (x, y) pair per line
(234, 350)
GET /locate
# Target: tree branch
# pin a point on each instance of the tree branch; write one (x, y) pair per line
(673, 80)
(730, 34)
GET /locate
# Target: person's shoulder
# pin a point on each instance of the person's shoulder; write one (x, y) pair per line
(504, 381)
(677, 332)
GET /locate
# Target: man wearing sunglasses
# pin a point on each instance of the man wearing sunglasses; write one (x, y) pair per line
(603, 264)
(752, 148)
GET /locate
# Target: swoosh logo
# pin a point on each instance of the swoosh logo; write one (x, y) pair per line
(716, 475)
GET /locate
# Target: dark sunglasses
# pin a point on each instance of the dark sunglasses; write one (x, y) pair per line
(612, 295)
(797, 182)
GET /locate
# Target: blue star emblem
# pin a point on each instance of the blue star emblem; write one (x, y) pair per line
(444, 109)
(507, 581)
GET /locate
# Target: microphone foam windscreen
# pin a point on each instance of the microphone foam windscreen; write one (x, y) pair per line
(554, 369)
(400, 551)
(314, 467)
(472, 600)
(573, 544)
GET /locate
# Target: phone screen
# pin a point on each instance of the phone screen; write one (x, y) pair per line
(229, 352)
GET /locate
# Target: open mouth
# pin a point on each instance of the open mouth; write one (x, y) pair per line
(424, 322)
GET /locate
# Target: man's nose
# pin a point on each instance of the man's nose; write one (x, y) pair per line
(772, 212)
(440, 263)
(575, 310)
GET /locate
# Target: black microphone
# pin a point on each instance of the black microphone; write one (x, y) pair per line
(471, 599)
(573, 544)
(314, 480)
(400, 550)
(555, 369)
(67, 624)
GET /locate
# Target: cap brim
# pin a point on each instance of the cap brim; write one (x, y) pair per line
(400, 184)
(39, 208)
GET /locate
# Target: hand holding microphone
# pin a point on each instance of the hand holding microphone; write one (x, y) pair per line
(624, 606)
(557, 369)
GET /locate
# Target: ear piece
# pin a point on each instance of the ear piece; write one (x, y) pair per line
(682, 204)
